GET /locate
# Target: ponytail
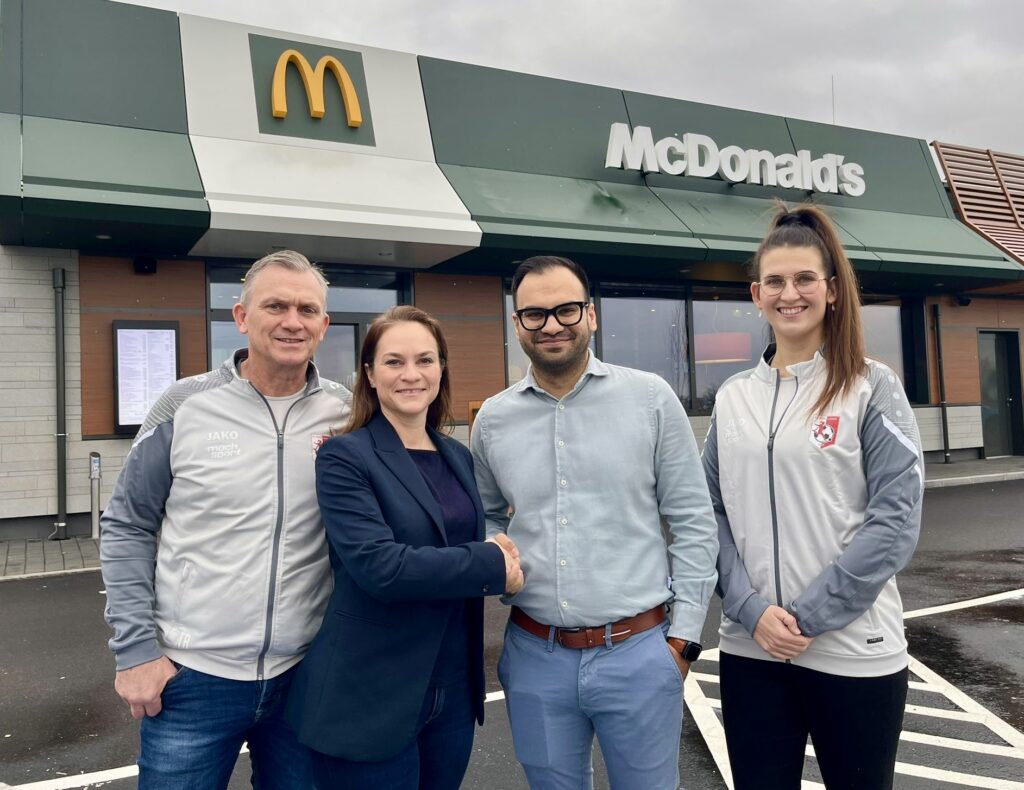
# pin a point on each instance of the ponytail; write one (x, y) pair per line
(807, 225)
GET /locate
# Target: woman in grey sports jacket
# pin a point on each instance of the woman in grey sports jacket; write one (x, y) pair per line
(815, 471)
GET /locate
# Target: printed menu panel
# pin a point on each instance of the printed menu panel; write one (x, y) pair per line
(147, 364)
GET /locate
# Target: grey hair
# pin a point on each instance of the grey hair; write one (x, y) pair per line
(286, 259)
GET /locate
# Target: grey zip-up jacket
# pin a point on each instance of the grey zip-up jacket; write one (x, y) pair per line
(816, 514)
(213, 552)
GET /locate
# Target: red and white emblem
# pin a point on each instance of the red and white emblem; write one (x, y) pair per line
(825, 432)
(318, 441)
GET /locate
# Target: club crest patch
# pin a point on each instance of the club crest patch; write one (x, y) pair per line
(318, 441)
(825, 432)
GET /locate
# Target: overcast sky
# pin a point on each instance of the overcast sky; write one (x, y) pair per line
(949, 70)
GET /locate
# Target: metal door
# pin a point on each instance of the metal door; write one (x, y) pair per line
(998, 358)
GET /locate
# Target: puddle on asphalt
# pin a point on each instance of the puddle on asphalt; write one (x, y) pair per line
(978, 650)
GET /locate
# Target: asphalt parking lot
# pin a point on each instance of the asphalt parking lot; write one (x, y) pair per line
(61, 725)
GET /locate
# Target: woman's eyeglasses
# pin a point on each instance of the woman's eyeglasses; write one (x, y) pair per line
(804, 282)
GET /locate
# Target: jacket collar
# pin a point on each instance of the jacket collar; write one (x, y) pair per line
(394, 456)
(801, 370)
(234, 362)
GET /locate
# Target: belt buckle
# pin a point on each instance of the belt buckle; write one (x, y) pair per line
(560, 631)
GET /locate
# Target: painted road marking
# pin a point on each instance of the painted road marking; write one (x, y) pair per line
(705, 709)
(952, 607)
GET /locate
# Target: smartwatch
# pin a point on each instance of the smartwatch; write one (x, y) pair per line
(690, 651)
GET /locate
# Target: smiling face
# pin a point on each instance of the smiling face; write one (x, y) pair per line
(555, 349)
(285, 319)
(798, 319)
(406, 371)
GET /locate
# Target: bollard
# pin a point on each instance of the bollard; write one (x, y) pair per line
(95, 474)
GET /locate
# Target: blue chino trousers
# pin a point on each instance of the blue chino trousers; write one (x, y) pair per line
(629, 694)
(193, 743)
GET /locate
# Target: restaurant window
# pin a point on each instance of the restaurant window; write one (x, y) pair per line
(883, 334)
(728, 337)
(648, 332)
(354, 299)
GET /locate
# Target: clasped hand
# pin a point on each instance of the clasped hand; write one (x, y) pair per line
(778, 634)
(513, 572)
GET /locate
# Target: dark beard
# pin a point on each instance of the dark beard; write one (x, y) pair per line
(554, 367)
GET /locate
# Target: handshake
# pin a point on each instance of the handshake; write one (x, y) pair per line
(513, 573)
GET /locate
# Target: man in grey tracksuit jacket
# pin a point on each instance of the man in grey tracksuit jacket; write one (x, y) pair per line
(213, 551)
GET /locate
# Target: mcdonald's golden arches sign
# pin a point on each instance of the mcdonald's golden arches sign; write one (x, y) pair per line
(311, 91)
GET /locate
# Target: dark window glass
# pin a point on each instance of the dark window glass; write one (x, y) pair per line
(729, 337)
(647, 333)
(883, 334)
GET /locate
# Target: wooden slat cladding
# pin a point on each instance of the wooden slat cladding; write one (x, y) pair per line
(111, 291)
(960, 327)
(469, 308)
(988, 192)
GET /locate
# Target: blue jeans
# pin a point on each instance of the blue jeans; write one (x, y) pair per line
(436, 759)
(629, 694)
(193, 743)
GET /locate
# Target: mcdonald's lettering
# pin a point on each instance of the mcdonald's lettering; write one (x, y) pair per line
(313, 79)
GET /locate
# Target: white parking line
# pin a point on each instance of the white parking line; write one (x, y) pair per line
(703, 710)
(952, 607)
(953, 777)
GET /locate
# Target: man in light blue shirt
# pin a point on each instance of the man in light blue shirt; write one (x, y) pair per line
(580, 462)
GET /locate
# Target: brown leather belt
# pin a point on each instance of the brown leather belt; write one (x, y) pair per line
(581, 638)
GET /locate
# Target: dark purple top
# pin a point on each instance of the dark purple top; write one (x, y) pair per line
(460, 526)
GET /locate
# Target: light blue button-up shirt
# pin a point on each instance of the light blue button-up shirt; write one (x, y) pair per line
(589, 479)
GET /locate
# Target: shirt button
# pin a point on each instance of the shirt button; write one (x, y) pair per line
(561, 407)
(561, 443)
(565, 604)
(487, 588)
(563, 483)
(563, 563)
(565, 521)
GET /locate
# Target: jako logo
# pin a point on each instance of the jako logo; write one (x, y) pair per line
(221, 436)
(313, 80)
(698, 155)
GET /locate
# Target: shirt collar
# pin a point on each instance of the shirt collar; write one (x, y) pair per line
(595, 367)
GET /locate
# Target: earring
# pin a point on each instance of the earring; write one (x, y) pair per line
(758, 313)
(833, 307)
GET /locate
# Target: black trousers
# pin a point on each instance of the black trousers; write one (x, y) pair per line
(769, 708)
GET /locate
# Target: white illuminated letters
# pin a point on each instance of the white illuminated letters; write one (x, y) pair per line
(699, 156)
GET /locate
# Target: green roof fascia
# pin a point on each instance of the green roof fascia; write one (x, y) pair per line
(917, 252)
(732, 225)
(899, 173)
(494, 119)
(939, 265)
(10, 179)
(101, 62)
(554, 213)
(912, 233)
(139, 187)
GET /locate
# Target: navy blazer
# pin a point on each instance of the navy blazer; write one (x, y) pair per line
(358, 692)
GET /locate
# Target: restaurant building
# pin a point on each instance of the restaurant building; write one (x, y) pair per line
(148, 157)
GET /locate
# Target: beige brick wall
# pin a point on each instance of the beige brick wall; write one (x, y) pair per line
(28, 452)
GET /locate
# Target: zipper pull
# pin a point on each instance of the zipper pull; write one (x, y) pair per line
(771, 442)
(280, 440)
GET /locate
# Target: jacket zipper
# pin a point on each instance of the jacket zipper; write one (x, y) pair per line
(773, 428)
(278, 529)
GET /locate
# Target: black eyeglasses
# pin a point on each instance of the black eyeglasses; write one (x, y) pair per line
(534, 318)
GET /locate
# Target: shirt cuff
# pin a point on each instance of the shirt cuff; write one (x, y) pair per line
(687, 622)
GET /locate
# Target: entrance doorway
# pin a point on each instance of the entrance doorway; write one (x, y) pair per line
(1001, 416)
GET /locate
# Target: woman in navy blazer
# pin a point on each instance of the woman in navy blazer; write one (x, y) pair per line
(391, 688)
